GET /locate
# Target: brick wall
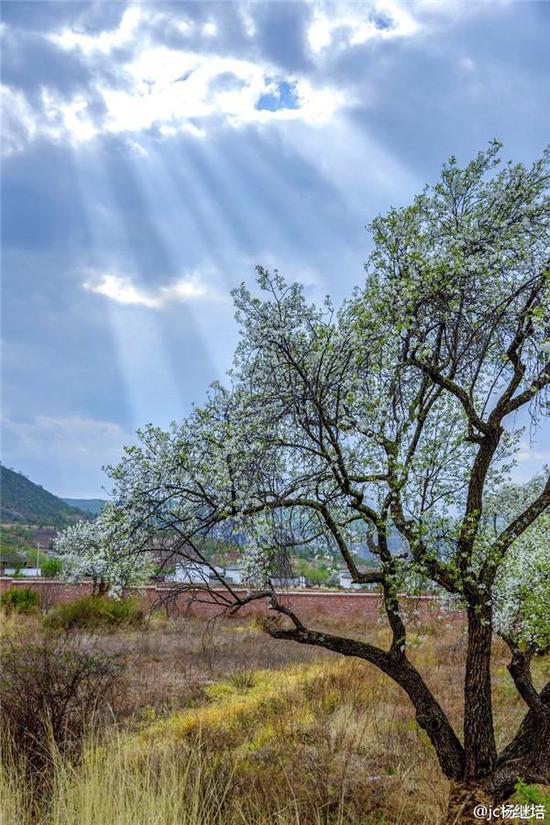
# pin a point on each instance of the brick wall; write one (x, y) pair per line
(306, 603)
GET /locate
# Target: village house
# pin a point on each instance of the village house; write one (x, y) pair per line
(346, 582)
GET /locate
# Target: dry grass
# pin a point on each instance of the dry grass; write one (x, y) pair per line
(310, 744)
(170, 662)
(225, 726)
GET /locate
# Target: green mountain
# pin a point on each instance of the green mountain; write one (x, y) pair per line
(94, 506)
(23, 502)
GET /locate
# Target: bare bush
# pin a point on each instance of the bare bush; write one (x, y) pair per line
(51, 690)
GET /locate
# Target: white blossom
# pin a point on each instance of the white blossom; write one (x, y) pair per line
(105, 551)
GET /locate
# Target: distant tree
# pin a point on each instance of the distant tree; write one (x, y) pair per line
(314, 573)
(51, 567)
(396, 413)
(104, 552)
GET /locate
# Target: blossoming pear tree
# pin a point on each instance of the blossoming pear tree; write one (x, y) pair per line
(105, 552)
(397, 414)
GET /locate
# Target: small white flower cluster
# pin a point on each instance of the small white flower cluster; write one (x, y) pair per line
(522, 589)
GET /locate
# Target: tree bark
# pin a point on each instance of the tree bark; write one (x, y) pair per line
(479, 736)
(528, 754)
(100, 587)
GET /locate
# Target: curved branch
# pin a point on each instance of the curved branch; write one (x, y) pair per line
(541, 381)
(520, 671)
(429, 714)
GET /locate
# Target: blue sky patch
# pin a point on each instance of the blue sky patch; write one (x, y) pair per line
(283, 97)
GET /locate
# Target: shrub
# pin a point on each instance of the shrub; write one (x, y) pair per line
(50, 691)
(531, 795)
(92, 612)
(20, 600)
(51, 567)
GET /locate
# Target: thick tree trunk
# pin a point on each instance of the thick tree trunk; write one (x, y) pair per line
(527, 757)
(478, 777)
(463, 802)
(479, 737)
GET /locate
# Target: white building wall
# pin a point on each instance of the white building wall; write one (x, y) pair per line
(345, 581)
(190, 572)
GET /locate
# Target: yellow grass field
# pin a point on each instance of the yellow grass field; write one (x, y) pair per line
(221, 725)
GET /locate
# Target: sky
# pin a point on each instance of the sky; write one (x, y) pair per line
(154, 153)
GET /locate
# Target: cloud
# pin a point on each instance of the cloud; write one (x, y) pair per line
(172, 87)
(172, 92)
(20, 125)
(352, 25)
(103, 42)
(80, 434)
(161, 69)
(179, 91)
(69, 448)
(122, 290)
(532, 457)
(527, 453)
(210, 28)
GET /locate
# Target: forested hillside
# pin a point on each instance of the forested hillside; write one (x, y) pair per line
(24, 502)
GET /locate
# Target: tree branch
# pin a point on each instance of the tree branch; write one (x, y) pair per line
(456, 390)
(542, 380)
(520, 671)
(429, 714)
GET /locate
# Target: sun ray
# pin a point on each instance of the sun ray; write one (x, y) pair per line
(195, 238)
(152, 389)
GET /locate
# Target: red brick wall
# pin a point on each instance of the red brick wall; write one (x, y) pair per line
(305, 603)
